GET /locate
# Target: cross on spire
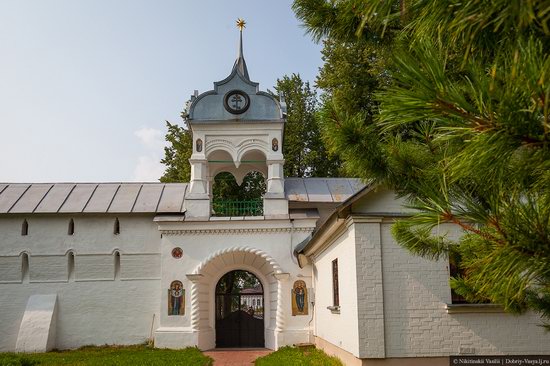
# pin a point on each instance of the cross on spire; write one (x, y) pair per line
(241, 24)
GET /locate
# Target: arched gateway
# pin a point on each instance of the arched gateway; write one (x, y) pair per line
(232, 280)
(239, 310)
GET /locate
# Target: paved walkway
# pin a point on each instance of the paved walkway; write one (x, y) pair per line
(236, 357)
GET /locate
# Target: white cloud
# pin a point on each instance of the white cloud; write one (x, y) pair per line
(148, 167)
(151, 138)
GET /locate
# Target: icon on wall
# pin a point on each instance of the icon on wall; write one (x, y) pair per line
(177, 252)
(176, 299)
(299, 298)
(198, 145)
(274, 145)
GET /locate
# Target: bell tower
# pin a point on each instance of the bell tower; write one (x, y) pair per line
(237, 129)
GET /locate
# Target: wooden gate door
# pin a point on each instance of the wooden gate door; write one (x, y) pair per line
(239, 311)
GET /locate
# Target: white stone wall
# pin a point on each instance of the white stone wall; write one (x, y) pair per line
(417, 323)
(370, 300)
(339, 329)
(102, 312)
(100, 300)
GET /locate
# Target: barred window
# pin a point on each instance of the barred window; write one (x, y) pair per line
(335, 292)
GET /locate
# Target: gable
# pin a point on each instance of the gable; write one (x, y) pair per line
(381, 201)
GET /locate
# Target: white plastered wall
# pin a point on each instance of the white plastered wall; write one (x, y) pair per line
(93, 306)
(340, 329)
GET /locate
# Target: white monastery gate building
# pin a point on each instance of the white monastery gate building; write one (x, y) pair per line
(314, 262)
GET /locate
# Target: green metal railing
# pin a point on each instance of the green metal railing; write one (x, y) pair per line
(237, 208)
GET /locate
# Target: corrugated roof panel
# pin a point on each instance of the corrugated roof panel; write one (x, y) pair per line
(78, 198)
(340, 189)
(55, 198)
(148, 198)
(172, 198)
(102, 198)
(125, 198)
(10, 195)
(317, 190)
(31, 198)
(295, 189)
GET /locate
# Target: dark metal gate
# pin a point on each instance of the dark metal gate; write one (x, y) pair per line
(239, 311)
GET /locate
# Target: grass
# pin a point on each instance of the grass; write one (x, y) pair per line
(290, 356)
(110, 356)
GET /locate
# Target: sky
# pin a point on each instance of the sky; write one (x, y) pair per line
(86, 86)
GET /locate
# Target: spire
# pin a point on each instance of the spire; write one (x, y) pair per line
(240, 64)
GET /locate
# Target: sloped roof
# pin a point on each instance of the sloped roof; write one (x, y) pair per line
(92, 197)
(25, 198)
(321, 189)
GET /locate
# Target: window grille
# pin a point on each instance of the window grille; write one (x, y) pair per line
(335, 289)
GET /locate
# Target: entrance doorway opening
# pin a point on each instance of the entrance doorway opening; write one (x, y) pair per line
(239, 310)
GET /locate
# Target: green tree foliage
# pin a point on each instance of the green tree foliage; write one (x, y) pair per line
(252, 187)
(177, 154)
(304, 151)
(462, 130)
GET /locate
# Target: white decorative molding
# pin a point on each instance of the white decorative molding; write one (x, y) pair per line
(281, 276)
(184, 231)
(252, 140)
(251, 145)
(260, 253)
(195, 316)
(280, 315)
(193, 277)
(200, 281)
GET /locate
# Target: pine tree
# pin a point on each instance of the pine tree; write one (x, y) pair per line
(462, 131)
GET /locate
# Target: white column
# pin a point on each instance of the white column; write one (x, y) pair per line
(198, 185)
(195, 310)
(282, 278)
(197, 201)
(275, 179)
(275, 202)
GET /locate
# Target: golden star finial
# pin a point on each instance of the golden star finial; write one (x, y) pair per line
(241, 24)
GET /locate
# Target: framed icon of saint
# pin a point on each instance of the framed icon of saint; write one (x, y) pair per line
(299, 298)
(176, 299)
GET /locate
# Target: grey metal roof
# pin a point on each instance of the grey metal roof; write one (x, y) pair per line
(321, 189)
(92, 197)
(146, 197)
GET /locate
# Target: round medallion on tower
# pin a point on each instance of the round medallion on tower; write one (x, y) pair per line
(236, 102)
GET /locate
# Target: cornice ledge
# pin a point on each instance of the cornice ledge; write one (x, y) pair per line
(233, 231)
